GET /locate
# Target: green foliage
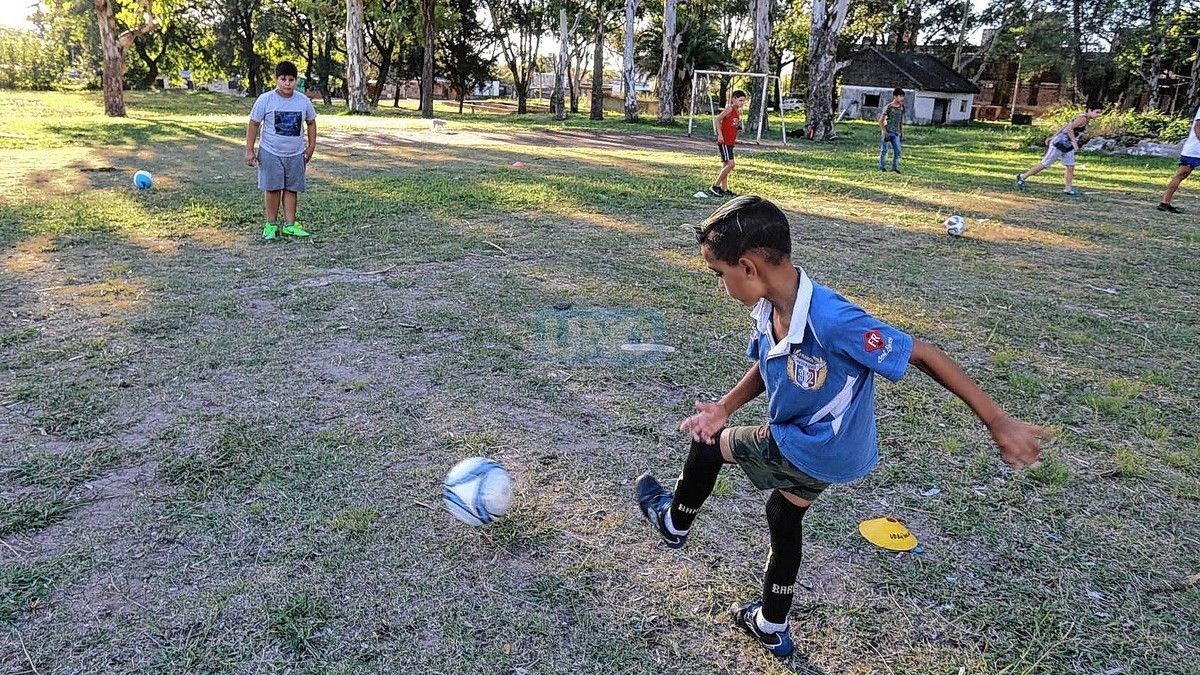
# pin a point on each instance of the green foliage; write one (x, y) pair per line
(1175, 131)
(27, 61)
(1127, 127)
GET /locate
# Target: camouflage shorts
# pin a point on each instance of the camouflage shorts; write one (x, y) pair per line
(758, 455)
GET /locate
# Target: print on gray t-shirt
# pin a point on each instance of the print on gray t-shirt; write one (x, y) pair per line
(280, 118)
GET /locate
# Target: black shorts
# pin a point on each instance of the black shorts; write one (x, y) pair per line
(726, 152)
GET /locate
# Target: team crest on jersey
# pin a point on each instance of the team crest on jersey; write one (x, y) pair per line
(807, 372)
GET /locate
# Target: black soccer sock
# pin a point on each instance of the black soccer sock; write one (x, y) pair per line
(786, 522)
(695, 483)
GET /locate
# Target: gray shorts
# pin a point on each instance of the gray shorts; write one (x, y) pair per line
(1053, 153)
(280, 173)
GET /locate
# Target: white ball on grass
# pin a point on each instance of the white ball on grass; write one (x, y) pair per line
(477, 490)
(955, 226)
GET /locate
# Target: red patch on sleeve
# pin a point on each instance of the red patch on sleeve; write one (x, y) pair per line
(873, 340)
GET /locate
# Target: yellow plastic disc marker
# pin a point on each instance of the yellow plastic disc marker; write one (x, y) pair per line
(889, 533)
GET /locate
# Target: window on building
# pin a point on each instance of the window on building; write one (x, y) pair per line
(962, 107)
(870, 100)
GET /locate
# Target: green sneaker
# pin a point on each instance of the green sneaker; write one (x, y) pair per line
(295, 230)
(270, 230)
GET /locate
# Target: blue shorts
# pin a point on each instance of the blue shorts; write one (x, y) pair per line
(726, 152)
(1193, 162)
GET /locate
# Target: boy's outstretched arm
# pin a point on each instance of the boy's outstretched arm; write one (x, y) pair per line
(1019, 443)
(710, 418)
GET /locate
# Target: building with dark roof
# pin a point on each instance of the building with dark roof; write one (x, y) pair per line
(934, 92)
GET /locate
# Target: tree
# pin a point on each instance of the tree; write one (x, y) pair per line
(789, 40)
(428, 30)
(670, 57)
(557, 103)
(527, 19)
(823, 66)
(27, 61)
(177, 39)
(114, 47)
(356, 70)
(1160, 28)
(464, 41)
(628, 74)
(1193, 95)
(597, 106)
(579, 41)
(701, 47)
(385, 23)
(760, 15)
(243, 28)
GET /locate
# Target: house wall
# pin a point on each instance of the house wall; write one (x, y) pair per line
(924, 106)
(956, 111)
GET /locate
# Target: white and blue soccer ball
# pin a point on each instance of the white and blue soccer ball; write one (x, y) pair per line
(143, 180)
(955, 226)
(477, 490)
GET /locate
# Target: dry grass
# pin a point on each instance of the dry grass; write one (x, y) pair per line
(220, 455)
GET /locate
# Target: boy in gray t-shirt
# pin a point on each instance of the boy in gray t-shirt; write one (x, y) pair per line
(283, 154)
(891, 128)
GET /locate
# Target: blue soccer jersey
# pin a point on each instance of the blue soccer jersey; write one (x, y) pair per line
(820, 389)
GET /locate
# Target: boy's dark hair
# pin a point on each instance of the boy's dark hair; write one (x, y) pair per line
(286, 69)
(897, 92)
(738, 93)
(743, 224)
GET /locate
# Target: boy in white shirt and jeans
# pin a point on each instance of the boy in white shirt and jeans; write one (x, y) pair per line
(283, 154)
(1189, 158)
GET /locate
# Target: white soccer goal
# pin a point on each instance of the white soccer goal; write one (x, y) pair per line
(706, 76)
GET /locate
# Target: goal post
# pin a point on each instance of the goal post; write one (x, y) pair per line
(708, 76)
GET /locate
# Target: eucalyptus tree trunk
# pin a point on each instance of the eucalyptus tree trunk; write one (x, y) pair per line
(823, 66)
(760, 11)
(356, 71)
(666, 72)
(597, 110)
(428, 27)
(628, 73)
(557, 105)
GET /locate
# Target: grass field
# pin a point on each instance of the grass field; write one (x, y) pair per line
(223, 455)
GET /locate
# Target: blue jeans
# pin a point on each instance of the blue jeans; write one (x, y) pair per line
(883, 148)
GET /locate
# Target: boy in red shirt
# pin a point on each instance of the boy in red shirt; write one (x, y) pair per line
(728, 123)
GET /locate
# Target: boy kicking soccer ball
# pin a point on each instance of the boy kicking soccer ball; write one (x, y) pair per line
(1062, 146)
(815, 356)
(728, 123)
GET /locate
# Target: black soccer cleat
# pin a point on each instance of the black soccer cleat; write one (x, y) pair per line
(655, 502)
(1168, 208)
(779, 644)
